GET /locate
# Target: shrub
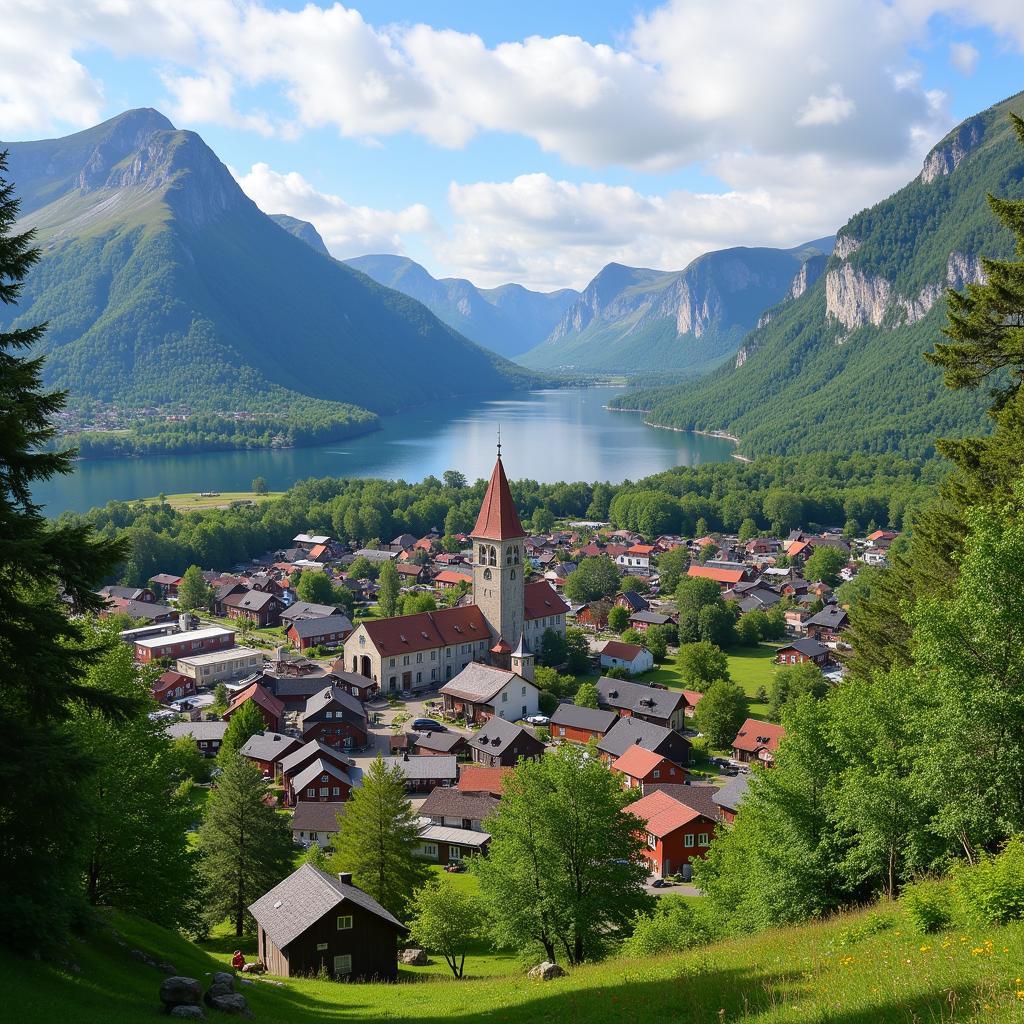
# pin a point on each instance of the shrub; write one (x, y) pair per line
(930, 905)
(992, 891)
(674, 924)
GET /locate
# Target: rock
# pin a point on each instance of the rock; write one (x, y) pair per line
(233, 1003)
(545, 971)
(415, 957)
(188, 1012)
(256, 967)
(180, 991)
(167, 968)
(142, 957)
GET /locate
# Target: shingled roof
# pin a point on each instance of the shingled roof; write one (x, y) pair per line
(498, 518)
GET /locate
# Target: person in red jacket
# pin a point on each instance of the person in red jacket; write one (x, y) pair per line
(238, 960)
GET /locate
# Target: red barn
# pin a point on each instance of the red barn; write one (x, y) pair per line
(674, 833)
(581, 725)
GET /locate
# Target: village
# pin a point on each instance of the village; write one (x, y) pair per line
(499, 665)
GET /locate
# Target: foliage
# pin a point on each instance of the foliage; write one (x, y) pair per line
(594, 578)
(194, 594)
(378, 837)
(701, 664)
(411, 603)
(553, 648)
(315, 587)
(825, 564)
(564, 870)
(693, 595)
(654, 640)
(243, 724)
(674, 924)
(618, 618)
(577, 651)
(851, 593)
(259, 485)
(930, 905)
(716, 624)
(672, 566)
(362, 568)
(245, 846)
(586, 696)
(790, 682)
(720, 712)
(633, 636)
(992, 891)
(446, 920)
(387, 595)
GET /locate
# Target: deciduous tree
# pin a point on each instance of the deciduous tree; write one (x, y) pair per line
(720, 712)
(387, 595)
(701, 664)
(194, 592)
(446, 920)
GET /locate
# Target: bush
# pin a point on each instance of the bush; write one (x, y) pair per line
(992, 891)
(673, 925)
(929, 905)
(546, 702)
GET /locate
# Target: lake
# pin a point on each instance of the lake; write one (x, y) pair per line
(546, 436)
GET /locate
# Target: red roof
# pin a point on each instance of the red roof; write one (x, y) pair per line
(756, 735)
(641, 549)
(453, 577)
(168, 681)
(637, 761)
(692, 697)
(624, 652)
(661, 813)
(424, 630)
(718, 575)
(476, 778)
(498, 519)
(317, 550)
(260, 695)
(540, 599)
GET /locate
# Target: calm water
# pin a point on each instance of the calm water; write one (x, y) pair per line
(546, 436)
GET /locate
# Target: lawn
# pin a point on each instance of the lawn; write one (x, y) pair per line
(866, 968)
(194, 501)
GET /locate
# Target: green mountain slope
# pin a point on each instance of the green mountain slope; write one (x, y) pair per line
(301, 229)
(508, 320)
(631, 320)
(839, 368)
(165, 285)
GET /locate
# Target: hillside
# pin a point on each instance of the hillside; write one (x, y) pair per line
(839, 368)
(860, 969)
(629, 319)
(508, 320)
(164, 285)
(302, 230)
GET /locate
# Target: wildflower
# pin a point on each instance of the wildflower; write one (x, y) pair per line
(924, 949)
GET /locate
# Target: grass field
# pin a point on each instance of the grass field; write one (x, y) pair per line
(860, 969)
(195, 502)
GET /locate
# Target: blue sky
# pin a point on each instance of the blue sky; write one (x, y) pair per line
(536, 141)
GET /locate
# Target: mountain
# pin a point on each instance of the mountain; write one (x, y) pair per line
(301, 229)
(164, 285)
(508, 320)
(631, 320)
(839, 367)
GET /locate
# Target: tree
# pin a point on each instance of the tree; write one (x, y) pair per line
(453, 479)
(633, 636)
(410, 604)
(593, 578)
(618, 618)
(752, 627)
(654, 641)
(387, 595)
(701, 664)
(564, 871)
(720, 712)
(636, 584)
(672, 566)
(791, 682)
(748, 531)
(259, 485)
(701, 529)
(851, 593)
(783, 509)
(707, 552)
(186, 762)
(693, 594)
(825, 565)
(577, 651)
(543, 521)
(43, 654)
(245, 846)
(586, 696)
(194, 592)
(446, 920)
(315, 587)
(221, 696)
(378, 839)
(552, 648)
(362, 569)
(716, 625)
(242, 726)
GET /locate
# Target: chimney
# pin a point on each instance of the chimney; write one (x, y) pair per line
(345, 877)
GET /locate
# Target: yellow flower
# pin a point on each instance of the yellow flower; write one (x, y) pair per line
(924, 949)
(1020, 993)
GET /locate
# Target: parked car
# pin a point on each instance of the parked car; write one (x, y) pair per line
(428, 725)
(538, 720)
(456, 867)
(661, 883)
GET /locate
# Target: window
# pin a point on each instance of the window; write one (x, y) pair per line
(429, 850)
(344, 922)
(321, 947)
(433, 655)
(343, 964)
(652, 841)
(524, 711)
(314, 835)
(323, 778)
(487, 574)
(524, 691)
(702, 839)
(419, 677)
(561, 730)
(323, 791)
(454, 853)
(328, 714)
(405, 659)
(656, 773)
(504, 697)
(336, 791)
(419, 658)
(433, 673)
(391, 663)
(311, 791)
(512, 575)
(688, 841)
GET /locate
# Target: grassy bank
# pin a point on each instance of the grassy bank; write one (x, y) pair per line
(196, 501)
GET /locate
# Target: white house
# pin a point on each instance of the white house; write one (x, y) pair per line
(633, 658)
(636, 557)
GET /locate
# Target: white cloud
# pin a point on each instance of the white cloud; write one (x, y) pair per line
(964, 57)
(209, 97)
(347, 230)
(832, 108)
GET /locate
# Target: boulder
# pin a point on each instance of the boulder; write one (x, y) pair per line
(233, 1003)
(180, 991)
(222, 984)
(545, 971)
(188, 1012)
(142, 957)
(167, 968)
(415, 957)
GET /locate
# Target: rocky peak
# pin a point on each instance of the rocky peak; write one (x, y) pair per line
(810, 270)
(301, 229)
(845, 246)
(946, 156)
(119, 138)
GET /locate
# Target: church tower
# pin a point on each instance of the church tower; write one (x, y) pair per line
(498, 563)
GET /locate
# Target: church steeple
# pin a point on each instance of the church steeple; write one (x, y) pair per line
(498, 519)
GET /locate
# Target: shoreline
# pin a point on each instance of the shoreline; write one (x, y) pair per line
(721, 434)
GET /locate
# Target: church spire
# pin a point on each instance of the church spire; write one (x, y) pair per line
(498, 519)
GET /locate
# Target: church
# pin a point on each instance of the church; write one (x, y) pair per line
(503, 626)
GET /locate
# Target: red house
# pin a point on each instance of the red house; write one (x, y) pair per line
(674, 833)
(757, 741)
(801, 651)
(259, 607)
(581, 725)
(173, 685)
(270, 707)
(335, 718)
(320, 781)
(478, 778)
(182, 645)
(327, 631)
(293, 765)
(268, 749)
(641, 767)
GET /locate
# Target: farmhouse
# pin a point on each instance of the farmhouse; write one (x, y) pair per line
(581, 725)
(325, 631)
(757, 741)
(674, 832)
(480, 692)
(270, 707)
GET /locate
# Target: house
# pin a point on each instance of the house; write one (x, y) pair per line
(313, 922)
(409, 573)
(360, 687)
(692, 699)
(141, 594)
(628, 731)
(878, 539)
(827, 624)
(449, 807)
(633, 658)
(480, 692)
(674, 832)
(336, 718)
(594, 615)
(424, 773)
(728, 798)
(307, 541)
(636, 557)
(219, 666)
(268, 749)
(443, 844)
(799, 651)
(757, 741)
(478, 778)
(222, 591)
(642, 621)
(315, 822)
(403, 542)
(295, 691)
(725, 578)
(448, 579)
(184, 645)
(167, 583)
(329, 631)
(321, 781)
(580, 725)
(208, 735)
(141, 611)
(308, 610)
(640, 767)
(648, 703)
(632, 602)
(259, 607)
(172, 685)
(502, 743)
(432, 744)
(294, 764)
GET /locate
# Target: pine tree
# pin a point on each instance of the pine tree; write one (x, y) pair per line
(378, 838)
(243, 724)
(245, 846)
(42, 652)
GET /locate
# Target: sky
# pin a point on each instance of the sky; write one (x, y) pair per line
(530, 142)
